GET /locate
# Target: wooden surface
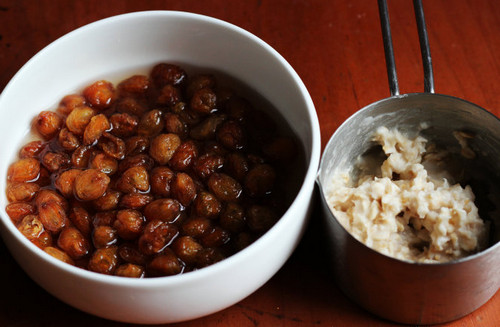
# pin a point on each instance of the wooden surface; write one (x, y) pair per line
(336, 48)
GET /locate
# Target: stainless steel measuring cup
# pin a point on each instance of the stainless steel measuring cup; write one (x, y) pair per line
(416, 293)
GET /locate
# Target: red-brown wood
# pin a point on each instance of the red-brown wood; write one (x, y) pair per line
(336, 48)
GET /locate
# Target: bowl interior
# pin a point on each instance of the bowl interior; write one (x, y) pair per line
(127, 44)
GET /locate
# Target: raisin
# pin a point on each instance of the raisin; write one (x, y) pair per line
(48, 124)
(104, 260)
(90, 184)
(100, 95)
(224, 187)
(165, 74)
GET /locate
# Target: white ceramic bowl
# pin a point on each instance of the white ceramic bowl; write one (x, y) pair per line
(120, 44)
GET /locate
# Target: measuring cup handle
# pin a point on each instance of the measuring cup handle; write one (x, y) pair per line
(389, 50)
(424, 46)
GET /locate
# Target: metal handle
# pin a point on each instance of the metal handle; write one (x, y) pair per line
(389, 50)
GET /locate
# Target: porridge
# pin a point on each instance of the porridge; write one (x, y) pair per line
(406, 205)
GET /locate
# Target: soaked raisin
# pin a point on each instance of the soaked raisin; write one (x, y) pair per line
(198, 82)
(104, 260)
(48, 124)
(44, 240)
(100, 95)
(213, 147)
(166, 264)
(207, 205)
(233, 217)
(130, 106)
(135, 200)
(80, 218)
(111, 145)
(165, 74)
(47, 195)
(175, 124)
(104, 163)
(197, 227)
(163, 147)
(136, 145)
(68, 140)
(31, 149)
(207, 128)
(157, 235)
(169, 96)
(183, 189)
(70, 102)
(203, 101)
(260, 180)
(72, 241)
(22, 192)
(215, 238)
(186, 248)
(124, 125)
(208, 256)
(184, 156)
(207, 164)
(23, 170)
(129, 252)
(161, 177)
(129, 224)
(44, 178)
(236, 165)
(55, 161)
(18, 210)
(52, 215)
(58, 254)
(224, 187)
(135, 86)
(162, 209)
(31, 227)
(231, 135)
(104, 218)
(78, 119)
(130, 270)
(134, 179)
(90, 184)
(81, 156)
(96, 127)
(108, 201)
(104, 236)
(141, 160)
(151, 123)
(65, 182)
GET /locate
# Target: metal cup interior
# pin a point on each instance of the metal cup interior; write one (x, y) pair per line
(414, 293)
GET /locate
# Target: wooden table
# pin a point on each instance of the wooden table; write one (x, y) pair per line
(336, 48)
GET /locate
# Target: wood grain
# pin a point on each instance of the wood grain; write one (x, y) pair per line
(336, 48)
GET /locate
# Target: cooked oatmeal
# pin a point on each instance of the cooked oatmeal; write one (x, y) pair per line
(409, 209)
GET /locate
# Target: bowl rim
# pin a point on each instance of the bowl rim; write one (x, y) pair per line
(306, 186)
